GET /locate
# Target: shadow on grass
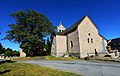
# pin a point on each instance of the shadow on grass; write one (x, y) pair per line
(7, 61)
(5, 71)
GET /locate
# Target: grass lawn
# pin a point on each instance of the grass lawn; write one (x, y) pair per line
(60, 58)
(23, 69)
(25, 58)
(47, 58)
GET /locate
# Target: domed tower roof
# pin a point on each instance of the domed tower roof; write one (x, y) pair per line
(60, 27)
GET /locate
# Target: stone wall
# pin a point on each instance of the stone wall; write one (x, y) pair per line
(87, 31)
(104, 44)
(22, 54)
(53, 48)
(73, 37)
(81, 41)
(61, 45)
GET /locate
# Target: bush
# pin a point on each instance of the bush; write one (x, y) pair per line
(8, 53)
(15, 53)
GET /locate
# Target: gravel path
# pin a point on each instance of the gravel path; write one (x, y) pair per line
(86, 68)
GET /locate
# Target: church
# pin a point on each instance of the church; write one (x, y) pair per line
(82, 39)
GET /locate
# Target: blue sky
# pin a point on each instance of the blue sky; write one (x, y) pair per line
(104, 13)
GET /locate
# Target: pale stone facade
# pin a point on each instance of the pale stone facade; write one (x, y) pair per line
(81, 39)
(22, 54)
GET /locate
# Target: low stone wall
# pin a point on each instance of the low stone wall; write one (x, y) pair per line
(1, 57)
(114, 55)
(5, 58)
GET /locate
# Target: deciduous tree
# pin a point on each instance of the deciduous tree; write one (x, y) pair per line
(8, 52)
(28, 30)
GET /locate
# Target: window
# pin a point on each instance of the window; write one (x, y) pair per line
(59, 30)
(71, 44)
(88, 40)
(96, 53)
(91, 40)
(89, 34)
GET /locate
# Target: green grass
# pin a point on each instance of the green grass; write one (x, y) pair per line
(60, 58)
(47, 58)
(26, 58)
(24, 69)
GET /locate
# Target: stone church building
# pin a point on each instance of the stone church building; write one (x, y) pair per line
(80, 40)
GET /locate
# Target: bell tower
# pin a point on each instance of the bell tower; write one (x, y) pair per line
(60, 27)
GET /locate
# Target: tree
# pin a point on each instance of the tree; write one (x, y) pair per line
(48, 47)
(2, 50)
(16, 53)
(29, 30)
(8, 52)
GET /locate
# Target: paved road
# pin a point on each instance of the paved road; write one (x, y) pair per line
(86, 68)
(1, 60)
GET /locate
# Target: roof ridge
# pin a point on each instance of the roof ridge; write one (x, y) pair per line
(75, 24)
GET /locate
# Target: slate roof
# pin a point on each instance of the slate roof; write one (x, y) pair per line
(74, 27)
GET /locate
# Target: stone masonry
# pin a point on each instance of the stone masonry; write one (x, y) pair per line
(81, 39)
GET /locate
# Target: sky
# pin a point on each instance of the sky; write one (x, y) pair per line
(104, 13)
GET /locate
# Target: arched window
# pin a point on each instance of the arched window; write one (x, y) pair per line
(96, 53)
(59, 30)
(71, 44)
(91, 40)
(89, 34)
(88, 40)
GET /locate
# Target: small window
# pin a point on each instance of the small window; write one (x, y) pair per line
(89, 34)
(59, 30)
(88, 40)
(91, 40)
(96, 53)
(71, 44)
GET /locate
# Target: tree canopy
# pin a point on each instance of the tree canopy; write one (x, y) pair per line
(28, 30)
(8, 52)
(48, 47)
(2, 49)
